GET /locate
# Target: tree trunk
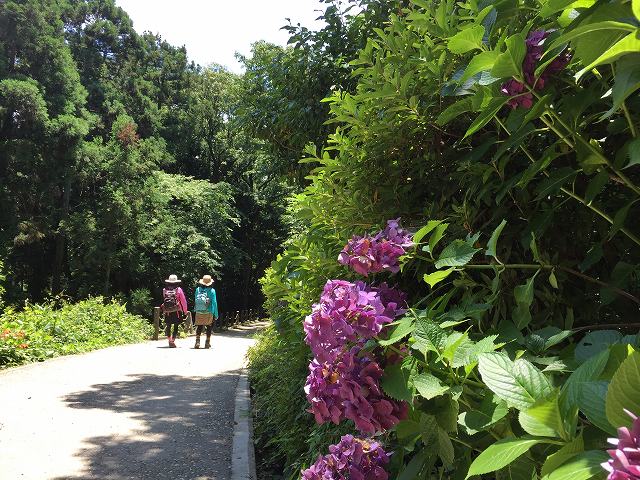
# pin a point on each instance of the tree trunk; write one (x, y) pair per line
(56, 286)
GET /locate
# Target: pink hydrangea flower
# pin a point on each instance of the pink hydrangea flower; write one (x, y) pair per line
(348, 312)
(353, 459)
(625, 458)
(349, 387)
(377, 253)
(521, 97)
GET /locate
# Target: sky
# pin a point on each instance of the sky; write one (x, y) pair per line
(213, 30)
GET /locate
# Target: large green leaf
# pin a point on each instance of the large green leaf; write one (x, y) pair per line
(468, 352)
(568, 451)
(630, 44)
(399, 331)
(518, 383)
(595, 342)
(624, 392)
(437, 235)
(420, 234)
(509, 63)
(580, 467)
(445, 447)
(551, 185)
(493, 241)
(501, 454)
(596, 185)
(522, 468)
(457, 254)
(454, 111)
(466, 40)
(490, 411)
(592, 403)
(430, 332)
(486, 115)
(481, 62)
(429, 386)
(589, 28)
(543, 419)
(436, 277)
(588, 371)
(523, 295)
(395, 383)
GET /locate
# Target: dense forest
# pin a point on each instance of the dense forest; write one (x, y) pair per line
(122, 162)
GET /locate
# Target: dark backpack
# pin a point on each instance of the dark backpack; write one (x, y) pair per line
(170, 300)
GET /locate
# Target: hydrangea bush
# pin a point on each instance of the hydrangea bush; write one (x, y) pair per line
(511, 135)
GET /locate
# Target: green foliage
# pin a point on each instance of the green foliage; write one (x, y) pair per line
(534, 252)
(39, 332)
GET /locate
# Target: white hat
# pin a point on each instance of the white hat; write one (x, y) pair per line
(206, 280)
(173, 279)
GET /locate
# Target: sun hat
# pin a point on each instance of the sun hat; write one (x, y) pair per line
(173, 279)
(206, 281)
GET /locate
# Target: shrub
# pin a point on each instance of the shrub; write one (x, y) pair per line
(140, 302)
(41, 331)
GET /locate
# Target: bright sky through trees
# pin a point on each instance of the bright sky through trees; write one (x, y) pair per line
(213, 30)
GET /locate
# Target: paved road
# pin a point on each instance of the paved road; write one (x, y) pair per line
(132, 412)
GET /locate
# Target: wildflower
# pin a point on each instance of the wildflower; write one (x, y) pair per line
(23, 345)
(521, 97)
(348, 312)
(352, 458)
(625, 458)
(373, 254)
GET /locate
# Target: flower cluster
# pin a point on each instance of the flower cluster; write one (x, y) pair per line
(373, 254)
(349, 387)
(352, 458)
(519, 91)
(625, 458)
(348, 312)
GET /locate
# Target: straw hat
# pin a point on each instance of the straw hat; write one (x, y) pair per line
(206, 281)
(173, 279)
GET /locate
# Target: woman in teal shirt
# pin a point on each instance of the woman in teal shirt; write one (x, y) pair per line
(206, 305)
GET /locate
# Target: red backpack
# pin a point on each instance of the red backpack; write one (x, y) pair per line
(170, 301)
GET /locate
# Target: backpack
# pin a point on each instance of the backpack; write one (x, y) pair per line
(170, 301)
(202, 300)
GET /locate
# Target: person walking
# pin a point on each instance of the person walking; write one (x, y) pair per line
(206, 306)
(174, 306)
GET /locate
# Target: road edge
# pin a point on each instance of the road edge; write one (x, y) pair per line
(243, 461)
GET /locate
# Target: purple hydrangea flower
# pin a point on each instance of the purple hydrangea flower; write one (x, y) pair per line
(353, 459)
(349, 387)
(625, 458)
(348, 312)
(521, 97)
(373, 254)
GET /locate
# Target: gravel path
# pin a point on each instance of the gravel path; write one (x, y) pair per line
(132, 412)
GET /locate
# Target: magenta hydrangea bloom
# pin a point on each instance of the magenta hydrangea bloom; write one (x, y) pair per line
(521, 97)
(352, 459)
(349, 387)
(625, 458)
(377, 253)
(348, 312)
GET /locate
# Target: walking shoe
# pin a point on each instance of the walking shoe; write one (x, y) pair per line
(197, 345)
(207, 344)
(172, 343)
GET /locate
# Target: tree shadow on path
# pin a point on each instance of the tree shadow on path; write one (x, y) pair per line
(187, 428)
